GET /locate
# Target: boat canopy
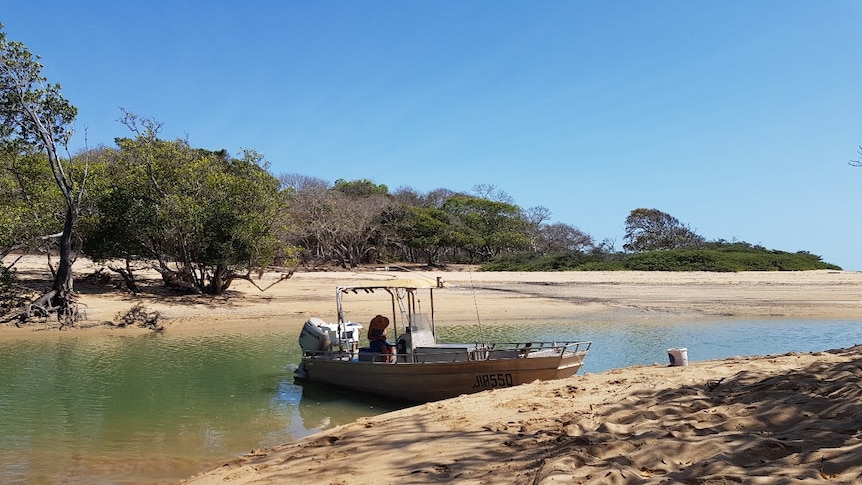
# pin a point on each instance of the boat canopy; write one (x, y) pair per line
(404, 305)
(395, 284)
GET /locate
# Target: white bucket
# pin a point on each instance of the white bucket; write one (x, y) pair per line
(678, 357)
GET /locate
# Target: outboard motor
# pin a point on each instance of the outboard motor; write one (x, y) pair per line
(316, 336)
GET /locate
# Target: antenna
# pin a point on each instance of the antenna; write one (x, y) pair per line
(476, 305)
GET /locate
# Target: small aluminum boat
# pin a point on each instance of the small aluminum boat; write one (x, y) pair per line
(422, 369)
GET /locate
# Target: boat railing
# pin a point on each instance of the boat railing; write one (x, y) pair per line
(542, 348)
(468, 352)
(496, 351)
(332, 355)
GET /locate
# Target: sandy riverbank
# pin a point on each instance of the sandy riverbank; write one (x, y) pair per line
(776, 419)
(780, 419)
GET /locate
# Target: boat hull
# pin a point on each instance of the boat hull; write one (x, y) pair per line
(423, 382)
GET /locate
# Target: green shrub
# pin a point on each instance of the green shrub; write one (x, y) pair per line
(615, 265)
(725, 259)
(564, 261)
(714, 257)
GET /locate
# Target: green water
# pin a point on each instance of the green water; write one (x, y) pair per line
(160, 408)
(154, 408)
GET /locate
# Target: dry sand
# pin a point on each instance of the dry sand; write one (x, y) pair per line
(793, 418)
(503, 297)
(787, 419)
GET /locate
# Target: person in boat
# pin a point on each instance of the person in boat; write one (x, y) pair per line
(377, 339)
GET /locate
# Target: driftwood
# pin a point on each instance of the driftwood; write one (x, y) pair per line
(139, 315)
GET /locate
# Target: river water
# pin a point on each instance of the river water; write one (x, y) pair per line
(160, 408)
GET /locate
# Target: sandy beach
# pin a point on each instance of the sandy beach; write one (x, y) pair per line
(794, 418)
(781, 419)
(530, 298)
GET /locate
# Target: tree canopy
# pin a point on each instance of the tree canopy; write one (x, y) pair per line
(36, 118)
(205, 217)
(652, 230)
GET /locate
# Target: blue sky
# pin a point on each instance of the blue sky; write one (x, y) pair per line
(736, 117)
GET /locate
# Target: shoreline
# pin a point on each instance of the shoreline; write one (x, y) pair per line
(513, 297)
(713, 421)
(792, 417)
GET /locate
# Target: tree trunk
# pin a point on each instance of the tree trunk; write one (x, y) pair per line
(176, 279)
(63, 281)
(128, 277)
(221, 280)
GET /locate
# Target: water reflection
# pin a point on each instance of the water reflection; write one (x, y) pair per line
(320, 407)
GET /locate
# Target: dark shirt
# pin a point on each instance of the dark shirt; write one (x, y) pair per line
(380, 346)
